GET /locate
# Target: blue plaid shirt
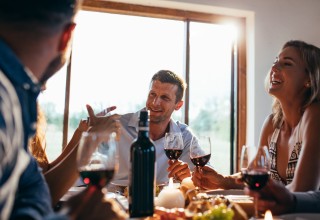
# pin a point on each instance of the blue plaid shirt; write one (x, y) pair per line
(24, 193)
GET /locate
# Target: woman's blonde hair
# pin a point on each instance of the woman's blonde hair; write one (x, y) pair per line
(37, 144)
(310, 55)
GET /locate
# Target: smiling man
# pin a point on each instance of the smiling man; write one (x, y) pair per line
(165, 97)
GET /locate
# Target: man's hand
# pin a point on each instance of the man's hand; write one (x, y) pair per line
(178, 169)
(90, 204)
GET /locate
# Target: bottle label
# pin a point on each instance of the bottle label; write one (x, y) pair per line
(143, 128)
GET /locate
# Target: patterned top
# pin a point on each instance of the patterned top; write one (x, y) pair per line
(292, 163)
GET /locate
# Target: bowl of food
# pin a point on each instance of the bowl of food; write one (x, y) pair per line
(121, 186)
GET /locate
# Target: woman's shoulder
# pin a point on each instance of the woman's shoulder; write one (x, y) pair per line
(267, 127)
(268, 122)
(315, 106)
(266, 131)
(311, 113)
(313, 110)
(269, 118)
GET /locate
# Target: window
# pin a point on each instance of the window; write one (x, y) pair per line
(115, 55)
(210, 87)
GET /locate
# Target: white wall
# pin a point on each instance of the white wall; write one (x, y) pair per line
(270, 24)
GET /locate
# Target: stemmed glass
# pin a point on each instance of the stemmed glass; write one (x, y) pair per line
(200, 152)
(173, 146)
(97, 158)
(255, 168)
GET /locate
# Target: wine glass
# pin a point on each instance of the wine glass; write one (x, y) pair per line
(200, 152)
(255, 168)
(173, 146)
(97, 158)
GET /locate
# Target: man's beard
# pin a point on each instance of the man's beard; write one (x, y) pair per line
(53, 67)
(156, 119)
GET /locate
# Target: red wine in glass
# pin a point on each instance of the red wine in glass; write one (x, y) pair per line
(200, 152)
(97, 158)
(173, 154)
(201, 161)
(173, 145)
(255, 166)
(99, 178)
(255, 179)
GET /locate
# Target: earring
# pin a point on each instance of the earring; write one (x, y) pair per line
(308, 85)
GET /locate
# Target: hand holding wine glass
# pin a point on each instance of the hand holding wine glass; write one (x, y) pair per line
(97, 158)
(255, 167)
(173, 145)
(200, 152)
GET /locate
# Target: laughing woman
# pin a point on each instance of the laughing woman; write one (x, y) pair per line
(292, 130)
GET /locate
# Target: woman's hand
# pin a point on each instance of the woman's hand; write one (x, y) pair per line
(208, 178)
(83, 125)
(106, 111)
(178, 169)
(104, 123)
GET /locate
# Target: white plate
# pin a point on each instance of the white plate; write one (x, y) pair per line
(119, 182)
(124, 183)
(75, 189)
(299, 216)
(71, 192)
(122, 200)
(234, 192)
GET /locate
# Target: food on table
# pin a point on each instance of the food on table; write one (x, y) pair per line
(158, 189)
(221, 212)
(187, 183)
(205, 206)
(168, 214)
(200, 205)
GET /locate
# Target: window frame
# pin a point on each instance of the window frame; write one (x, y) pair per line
(238, 128)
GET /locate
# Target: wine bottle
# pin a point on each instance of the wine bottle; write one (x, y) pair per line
(142, 173)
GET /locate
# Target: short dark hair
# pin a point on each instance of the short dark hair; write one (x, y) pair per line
(167, 76)
(48, 13)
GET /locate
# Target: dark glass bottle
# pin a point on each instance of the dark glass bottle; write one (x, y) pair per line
(142, 174)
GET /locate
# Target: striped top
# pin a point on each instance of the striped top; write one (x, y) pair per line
(293, 160)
